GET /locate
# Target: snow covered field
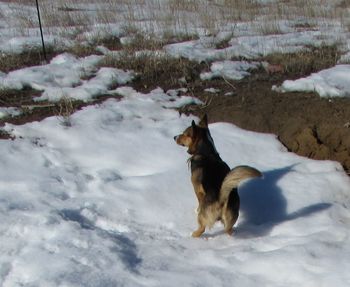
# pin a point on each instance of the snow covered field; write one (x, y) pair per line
(108, 201)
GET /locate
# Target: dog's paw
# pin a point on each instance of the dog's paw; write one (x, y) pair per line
(229, 232)
(198, 233)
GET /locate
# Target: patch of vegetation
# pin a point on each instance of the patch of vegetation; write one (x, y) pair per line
(304, 25)
(81, 50)
(4, 135)
(64, 109)
(17, 98)
(156, 70)
(306, 61)
(35, 56)
(171, 38)
(269, 27)
(141, 41)
(31, 57)
(224, 43)
(344, 4)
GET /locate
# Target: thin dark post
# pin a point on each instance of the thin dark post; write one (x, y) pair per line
(41, 30)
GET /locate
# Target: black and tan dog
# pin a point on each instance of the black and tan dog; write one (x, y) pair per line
(214, 183)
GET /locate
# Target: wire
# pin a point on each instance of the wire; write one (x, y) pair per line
(41, 30)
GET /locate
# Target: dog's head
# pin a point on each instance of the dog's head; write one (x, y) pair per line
(193, 136)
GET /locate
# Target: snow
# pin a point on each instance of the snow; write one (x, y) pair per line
(109, 202)
(212, 90)
(249, 45)
(62, 77)
(9, 112)
(332, 82)
(18, 45)
(63, 70)
(231, 70)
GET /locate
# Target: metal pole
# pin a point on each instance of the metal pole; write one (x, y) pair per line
(41, 30)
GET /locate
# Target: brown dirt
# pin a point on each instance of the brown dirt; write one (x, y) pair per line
(306, 124)
(37, 111)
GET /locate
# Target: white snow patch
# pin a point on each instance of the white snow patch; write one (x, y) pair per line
(62, 77)
(212, 90)
(333, 82)
(345, 59)
(18, 45)
(9, 112)
(252, 46)
(231, 70)
(96, 86)
(63, 70)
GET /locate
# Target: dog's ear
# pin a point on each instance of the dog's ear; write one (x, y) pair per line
(203, 123)
(194, 129)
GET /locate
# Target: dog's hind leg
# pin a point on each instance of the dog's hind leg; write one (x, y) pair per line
(229, 218)
(231, 212)
(201, 228)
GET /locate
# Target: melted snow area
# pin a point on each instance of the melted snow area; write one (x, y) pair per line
(109, 202)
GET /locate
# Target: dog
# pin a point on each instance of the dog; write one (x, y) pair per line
(214, 183)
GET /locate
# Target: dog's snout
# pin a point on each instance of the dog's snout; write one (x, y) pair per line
(175, 138)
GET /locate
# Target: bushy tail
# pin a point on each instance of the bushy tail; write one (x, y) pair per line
(234, 177)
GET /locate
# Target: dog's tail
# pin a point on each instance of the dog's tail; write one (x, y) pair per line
(234, 177)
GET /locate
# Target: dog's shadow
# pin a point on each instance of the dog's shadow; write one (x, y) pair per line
(264, 206)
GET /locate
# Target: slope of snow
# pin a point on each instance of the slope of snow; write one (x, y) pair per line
(333, 82)
(109, 202)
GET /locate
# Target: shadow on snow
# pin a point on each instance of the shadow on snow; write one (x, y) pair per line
(264, 205)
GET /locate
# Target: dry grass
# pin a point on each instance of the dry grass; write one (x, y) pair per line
(225, 42)
(307, 61)
(15, 98)
(175, 16)
(268, 27)
(32, 57)
(155, 70)
(141, 41)
(184, 5)
(64, 109)
(344, 4)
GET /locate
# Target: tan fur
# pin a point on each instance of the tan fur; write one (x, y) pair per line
(198, 187)
(234, 177)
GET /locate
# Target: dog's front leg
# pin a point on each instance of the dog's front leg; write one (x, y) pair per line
(200, 193)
